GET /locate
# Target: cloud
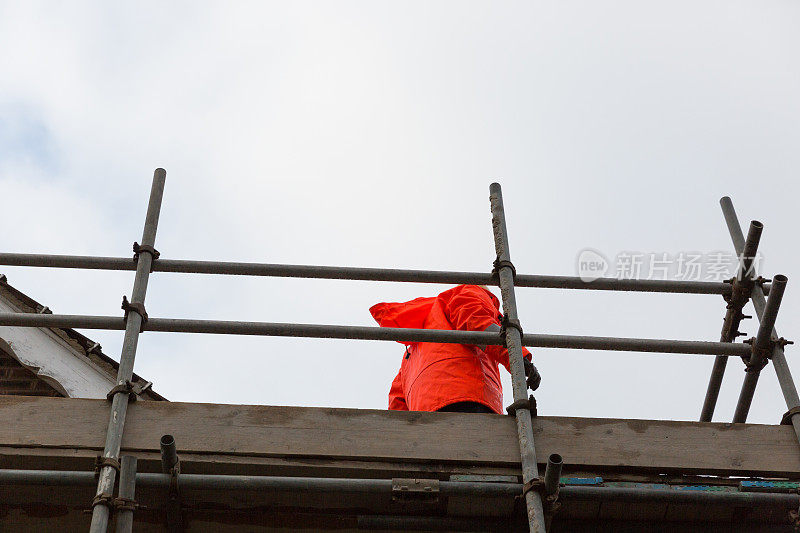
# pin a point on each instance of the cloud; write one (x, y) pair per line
(367, 134)
(25, 139)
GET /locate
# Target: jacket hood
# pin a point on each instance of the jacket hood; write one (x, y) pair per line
(495, 301)
(410, 314)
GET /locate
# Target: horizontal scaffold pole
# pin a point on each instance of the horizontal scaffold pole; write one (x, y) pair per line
(276, 329)
(446, 488)
(366, 274)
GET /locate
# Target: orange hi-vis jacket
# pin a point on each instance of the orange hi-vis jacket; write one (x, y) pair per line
(434, 375)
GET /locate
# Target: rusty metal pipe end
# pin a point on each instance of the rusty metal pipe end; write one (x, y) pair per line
(169, 453)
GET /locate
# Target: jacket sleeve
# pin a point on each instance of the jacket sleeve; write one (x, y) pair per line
(397, 401)
(500, 354)
(470, 308)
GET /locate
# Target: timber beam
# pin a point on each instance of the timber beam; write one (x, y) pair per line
(62, 433)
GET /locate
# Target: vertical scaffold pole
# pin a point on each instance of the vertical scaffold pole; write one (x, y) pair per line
(119, 403)
(762, 348)
(127, 493)
(785, 379)
(733, 312)
(530, 470)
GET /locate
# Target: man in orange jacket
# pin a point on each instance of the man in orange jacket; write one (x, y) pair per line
(450, 377)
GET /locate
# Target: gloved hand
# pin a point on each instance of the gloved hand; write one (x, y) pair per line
(532, 375)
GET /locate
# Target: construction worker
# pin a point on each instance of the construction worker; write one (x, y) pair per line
(450, 377)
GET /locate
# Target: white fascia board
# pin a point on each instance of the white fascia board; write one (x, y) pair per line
(49, 356)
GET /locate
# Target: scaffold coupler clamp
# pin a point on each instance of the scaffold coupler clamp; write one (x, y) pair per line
(133, 390)
(137, 308)
(506, 323)
(173, 509)
(500, 263)
(786, 419)
(139, 248)
(741, 288)
(114, 504)
(761, 280)
(126, 504)
(550, 502)
(407, 490)
(759, 357)
(529, 404)
(764, 355)
(101, 499)
(174, 475)
(101, 462)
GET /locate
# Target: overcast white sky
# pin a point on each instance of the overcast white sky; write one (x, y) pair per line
(366, 134)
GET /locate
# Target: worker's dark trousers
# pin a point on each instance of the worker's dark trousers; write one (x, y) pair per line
(466, 407)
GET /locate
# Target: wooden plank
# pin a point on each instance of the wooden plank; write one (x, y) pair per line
(206, 463)
(299, 433)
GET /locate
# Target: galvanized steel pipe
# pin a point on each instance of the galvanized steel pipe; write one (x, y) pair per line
(513, 343)
(779, 362)
(278, 329)
(705, 497)
(446, 488)
(733, 313)
(364, 274)
(169, 453)
(552, 473)
(119, 403)
(761, 344)
(127, 490)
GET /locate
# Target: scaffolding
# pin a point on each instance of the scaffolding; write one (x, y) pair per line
(540, 493)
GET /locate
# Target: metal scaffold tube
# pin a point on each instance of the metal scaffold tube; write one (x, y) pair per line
(323, 485)
(170, 465)
(539, 504)
(513, 343)
(127, 494)
(133, 325)
(364, 274)
(632, 494)
(741, 287)
(552, 482)
(324, 331)
(779, 362)
(762, 348)
(552, 474)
